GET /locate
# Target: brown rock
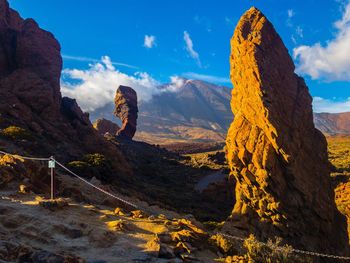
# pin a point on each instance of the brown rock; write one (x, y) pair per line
(126, 109)
(103, 126)
(157, 249)
(13, 168)
(71, 110)
(275, 153)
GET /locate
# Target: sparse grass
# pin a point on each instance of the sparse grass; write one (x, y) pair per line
(15, 133)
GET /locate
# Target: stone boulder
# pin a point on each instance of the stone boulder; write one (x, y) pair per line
(104, 126)
(275, 153)
(126, 109)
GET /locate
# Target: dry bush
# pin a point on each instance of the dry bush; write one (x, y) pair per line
(271, 252)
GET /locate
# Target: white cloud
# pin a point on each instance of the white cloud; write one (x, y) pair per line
(189, 47)
(329, 62)
(150, 41)
(208, 78)
(95, 87)
(291, 13)
(299, 31)
(93, 60)
(331, 106)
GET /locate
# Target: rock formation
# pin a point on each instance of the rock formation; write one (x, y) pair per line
(126, 109)
(276, 155)
(30, 97)
(103, 126)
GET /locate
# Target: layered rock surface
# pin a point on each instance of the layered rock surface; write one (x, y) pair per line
(126, 109)
(276, 155)
(30, 97)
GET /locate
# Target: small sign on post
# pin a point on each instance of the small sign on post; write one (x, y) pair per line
(52, 165)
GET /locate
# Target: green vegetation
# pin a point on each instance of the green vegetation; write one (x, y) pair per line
(15, 133)
(93, 165)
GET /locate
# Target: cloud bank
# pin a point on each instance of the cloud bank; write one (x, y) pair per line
(95, 87)
(331, 61)
(331, 106)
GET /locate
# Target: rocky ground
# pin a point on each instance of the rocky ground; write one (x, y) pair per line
(96, 233)
(96, 228)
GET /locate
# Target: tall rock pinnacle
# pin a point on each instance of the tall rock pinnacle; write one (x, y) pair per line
(126, 109)
(276, 155)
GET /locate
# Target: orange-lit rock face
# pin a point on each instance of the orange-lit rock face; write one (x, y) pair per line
(275, 153)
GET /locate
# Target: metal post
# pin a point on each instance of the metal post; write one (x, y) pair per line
(52, 168)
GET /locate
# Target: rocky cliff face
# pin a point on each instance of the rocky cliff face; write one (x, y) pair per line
(126, 109)
(30, 98)
(275, 153)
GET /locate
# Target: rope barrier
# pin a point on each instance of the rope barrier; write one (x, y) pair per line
(94, 186)
(299, 251)
(25, 157)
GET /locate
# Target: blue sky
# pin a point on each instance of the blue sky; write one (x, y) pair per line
(191, 38)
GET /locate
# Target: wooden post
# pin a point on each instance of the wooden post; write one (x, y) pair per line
(52, 170)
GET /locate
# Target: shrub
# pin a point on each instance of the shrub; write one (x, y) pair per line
(271, 252)
(15, 133)
(93, 165)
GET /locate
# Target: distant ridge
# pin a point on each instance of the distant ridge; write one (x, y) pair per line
(333, 123)
(199, 111)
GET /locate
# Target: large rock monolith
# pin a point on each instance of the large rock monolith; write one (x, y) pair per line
(277, 156)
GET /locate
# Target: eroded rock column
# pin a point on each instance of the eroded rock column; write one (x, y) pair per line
(276, 155)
